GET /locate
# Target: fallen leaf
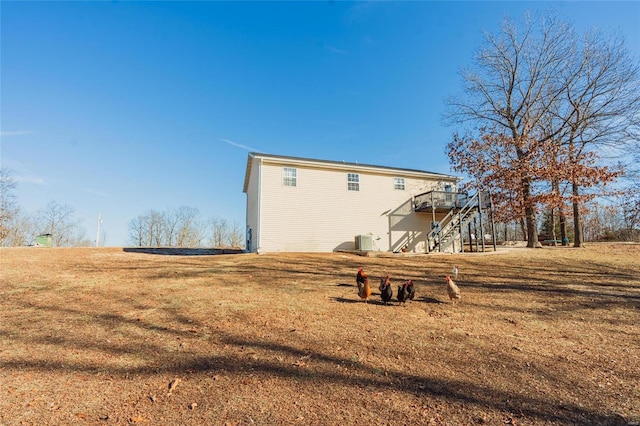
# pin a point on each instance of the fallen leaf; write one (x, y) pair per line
(83, 416)
(193, 405)
(137, 419)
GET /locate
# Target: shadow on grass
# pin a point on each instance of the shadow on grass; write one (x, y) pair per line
(235, 360)
(426, 299)
(354, 374)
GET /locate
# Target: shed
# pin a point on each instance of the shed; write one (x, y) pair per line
(44, 240)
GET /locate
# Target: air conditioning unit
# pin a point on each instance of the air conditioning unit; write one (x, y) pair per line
(364, 243)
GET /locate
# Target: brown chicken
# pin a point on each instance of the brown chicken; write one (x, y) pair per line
(452, 289)
(360, 278)
(364, 289)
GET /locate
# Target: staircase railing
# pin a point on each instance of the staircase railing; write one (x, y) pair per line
(442, 236)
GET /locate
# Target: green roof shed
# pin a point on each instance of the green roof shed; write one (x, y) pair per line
(44, 240)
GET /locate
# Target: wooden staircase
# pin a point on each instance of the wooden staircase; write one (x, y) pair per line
(462, 211)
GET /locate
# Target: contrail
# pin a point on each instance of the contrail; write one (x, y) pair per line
(248, 148)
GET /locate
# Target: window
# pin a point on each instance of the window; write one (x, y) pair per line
(289, 176)
(398, 183)
(353, 182)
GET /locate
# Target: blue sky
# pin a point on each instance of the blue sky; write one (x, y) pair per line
(122, 107)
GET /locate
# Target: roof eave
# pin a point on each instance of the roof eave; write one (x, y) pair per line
(349, 166)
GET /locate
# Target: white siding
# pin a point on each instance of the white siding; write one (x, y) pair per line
(253, 206)
(320, 214)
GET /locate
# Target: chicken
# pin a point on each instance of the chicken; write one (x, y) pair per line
(360, 278)
(454, 272)
(452, 289)
(364, 289)
(386, 293)
(402, 293)
(411, 291)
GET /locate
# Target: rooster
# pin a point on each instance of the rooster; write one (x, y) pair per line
(411, 291)
(452, 289)
(364, 289)
(386, 293)
(360, 278)
(403, 293)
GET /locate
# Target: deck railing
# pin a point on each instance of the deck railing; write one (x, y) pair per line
(462, 210)
(439, 200)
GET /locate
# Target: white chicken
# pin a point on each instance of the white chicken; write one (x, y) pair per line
(452, 290)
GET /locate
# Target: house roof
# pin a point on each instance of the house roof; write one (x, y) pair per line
(283, 159)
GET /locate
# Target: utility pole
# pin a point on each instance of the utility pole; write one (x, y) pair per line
(98, 232)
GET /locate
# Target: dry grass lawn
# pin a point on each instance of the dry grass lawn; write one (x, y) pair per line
(110, 336)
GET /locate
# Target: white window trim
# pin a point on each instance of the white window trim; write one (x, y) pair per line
(353, 184)
(399, 183)
(290, 180)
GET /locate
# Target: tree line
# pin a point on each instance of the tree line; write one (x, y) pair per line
(20, 228)
(552, 116)
(181, 227)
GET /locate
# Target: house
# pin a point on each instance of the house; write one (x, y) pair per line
(308, 205)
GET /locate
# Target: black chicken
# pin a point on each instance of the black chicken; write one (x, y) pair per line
(402, 293)
(411, 291)
(386, 293)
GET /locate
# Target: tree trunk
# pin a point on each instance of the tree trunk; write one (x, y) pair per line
(563, 228)
(532, 229)
(552, 219)
(529, 214)
(561, 217)
(577, 226)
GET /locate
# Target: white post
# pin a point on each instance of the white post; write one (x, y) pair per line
(98, 232)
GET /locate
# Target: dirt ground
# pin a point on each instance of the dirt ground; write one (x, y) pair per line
(112, 336)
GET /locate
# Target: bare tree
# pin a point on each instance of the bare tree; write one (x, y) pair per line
(631, 210)
(179, 227)
(22, 231)
(182, 227)
(8, 204)
(512, 90)
(598, 112)
(220, 231)
(59, 221)
(225, 234)
(156, 225)
(138, 231)
(236, 235)
(148, 230)
(190, 230)
(541, 87)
